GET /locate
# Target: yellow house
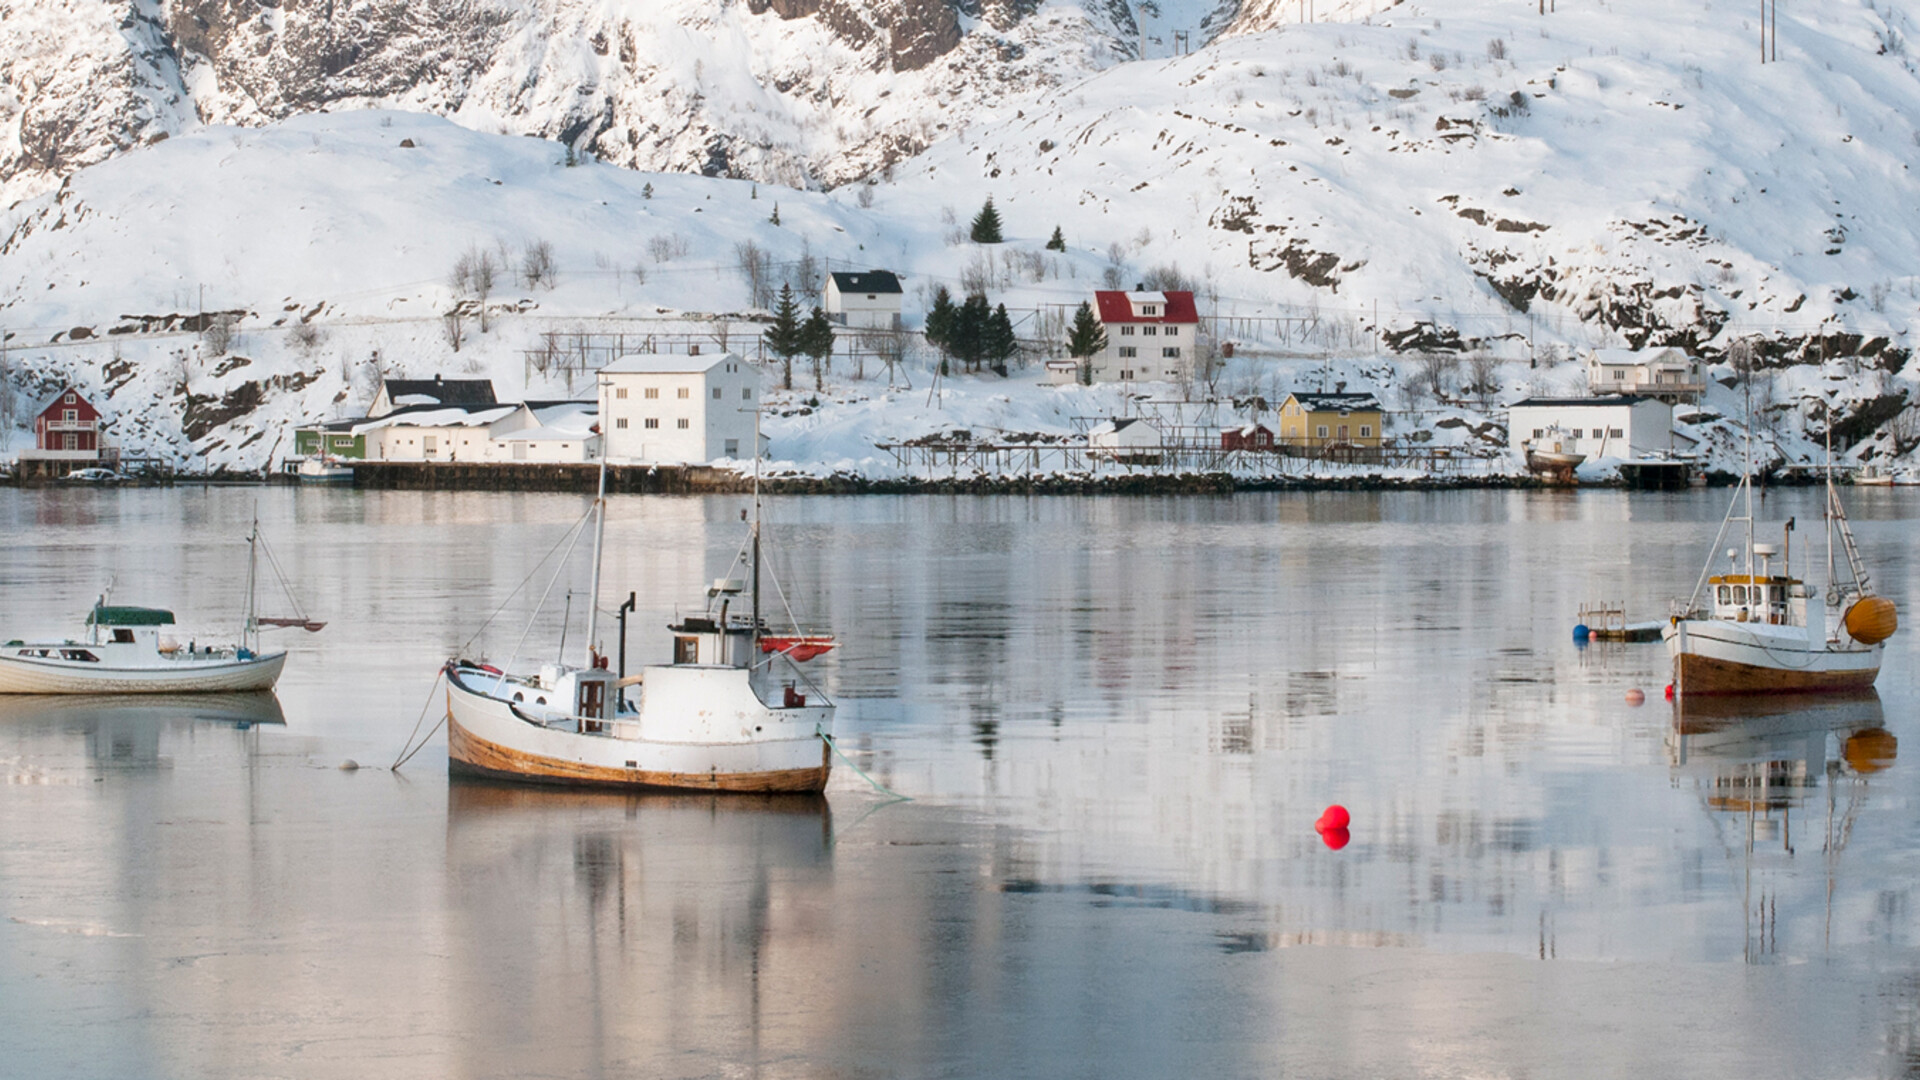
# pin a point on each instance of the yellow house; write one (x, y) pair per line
(1330, 420)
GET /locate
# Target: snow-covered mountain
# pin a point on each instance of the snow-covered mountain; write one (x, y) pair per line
(799, 92)
(1478, 178)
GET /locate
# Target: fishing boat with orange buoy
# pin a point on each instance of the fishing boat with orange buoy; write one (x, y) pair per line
(731, 713)
(1756, 628)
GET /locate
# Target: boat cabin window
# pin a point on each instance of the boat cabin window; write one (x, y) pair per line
(1726, 594)
(593, 699)
(686, 650)
(1739, 594)
(123, 635)
(79, 654)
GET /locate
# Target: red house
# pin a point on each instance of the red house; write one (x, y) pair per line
(1249, 437)
(68, 428)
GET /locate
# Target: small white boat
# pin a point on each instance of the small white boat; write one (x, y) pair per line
(324, 470)
(1754, 630)
(134, 650)
(732, 712)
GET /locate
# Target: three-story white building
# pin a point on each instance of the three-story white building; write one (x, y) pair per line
(678, 408)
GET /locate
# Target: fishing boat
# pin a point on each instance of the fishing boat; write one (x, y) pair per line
(732, 712)
(324, 469)
(1756, 628)
(1551, 454)
(135, 650)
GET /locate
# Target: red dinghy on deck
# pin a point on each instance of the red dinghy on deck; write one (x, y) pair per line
(799, 648)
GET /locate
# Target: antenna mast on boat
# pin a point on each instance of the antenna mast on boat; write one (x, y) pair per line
(1749, 474)
(756, 524)
(250, 630)
(599, 536)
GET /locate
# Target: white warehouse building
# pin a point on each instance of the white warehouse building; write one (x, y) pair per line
(677, 409)
(1621, 426)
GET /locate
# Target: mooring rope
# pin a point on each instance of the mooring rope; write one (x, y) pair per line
(407, 751)
(877, 785)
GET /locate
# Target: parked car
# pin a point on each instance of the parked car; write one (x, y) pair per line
(94, 475)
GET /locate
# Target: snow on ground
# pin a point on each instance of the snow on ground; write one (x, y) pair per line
(1491, 181)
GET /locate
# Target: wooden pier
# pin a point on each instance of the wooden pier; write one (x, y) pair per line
(525, 476)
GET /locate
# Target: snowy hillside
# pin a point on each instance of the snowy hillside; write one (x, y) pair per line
(1493, 182)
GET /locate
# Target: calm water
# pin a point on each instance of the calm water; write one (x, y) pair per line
(1117, 720)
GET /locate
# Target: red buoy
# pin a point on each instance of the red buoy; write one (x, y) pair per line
(1669, 691)
(1636, 697)
(1334, 817)
(1335, 838)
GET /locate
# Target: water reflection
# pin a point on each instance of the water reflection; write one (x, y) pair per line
(1754, 763)
(127, 730)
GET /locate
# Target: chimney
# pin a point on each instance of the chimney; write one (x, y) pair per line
(693, 349)
(1139, 286)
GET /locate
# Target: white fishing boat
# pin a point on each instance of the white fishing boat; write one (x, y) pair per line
(1551, 454)
(137, 650)
(1756, 628)
(324, 469)
(732, 712)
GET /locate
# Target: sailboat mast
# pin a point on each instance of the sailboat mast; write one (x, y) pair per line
(1749, 477)
(756, 524)
(250, 630)
(599, 537)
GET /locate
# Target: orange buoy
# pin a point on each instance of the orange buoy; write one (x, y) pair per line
(1335, 838)
(1871, 750)
(1636, 696)
(1872, 620)
(1334, 817)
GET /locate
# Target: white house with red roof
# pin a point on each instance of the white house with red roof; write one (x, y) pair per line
(1150, 335)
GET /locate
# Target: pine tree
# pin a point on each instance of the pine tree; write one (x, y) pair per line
(776, 214)
(940, 320)
(783, 337)
(647, 192)
(1057, 242)
(969, 338)
(1001, 344)
(1086, 339)
(816, 340)
(986, 224)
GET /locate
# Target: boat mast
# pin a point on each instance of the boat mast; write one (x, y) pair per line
(250, 631)
(599, 536)
(756, 526)
(1748, 479)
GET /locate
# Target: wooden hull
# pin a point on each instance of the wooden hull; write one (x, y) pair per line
(1718, 657)
(470, 755)
(33, 675)
(487, 736)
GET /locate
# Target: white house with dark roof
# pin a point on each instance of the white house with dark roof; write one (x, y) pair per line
(1618, 426)
(869, 300)
(678, 408)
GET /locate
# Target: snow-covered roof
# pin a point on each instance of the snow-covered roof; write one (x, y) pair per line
(1666, 354)
(440, 391)
(1337, 402)
(665, 363)
(437, 416)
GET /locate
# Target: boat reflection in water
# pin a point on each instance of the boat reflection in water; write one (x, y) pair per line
(629, 924)
(1755, 761)
(125, 729)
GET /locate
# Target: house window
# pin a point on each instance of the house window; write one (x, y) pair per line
(70, 399)
(70, 441)
(681, 423)
(1619, 434)
(733, 448)
(1173, 331)
(716, 393)
(1126, 331)
(621, 393)
(70, 415)
(650, 423)
(621, 423)
(746, 393)
(685, 393)
(1149, 331)
(1128, 351)
(1126, 375)
(1537, 433)
(1321, 431)
(1366, 431)
(1618, 375)
(652, 392)
(1171, 352)
(1150, 309)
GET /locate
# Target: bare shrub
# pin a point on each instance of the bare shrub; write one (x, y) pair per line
(864, 197)
(1437, 61)
(1168, 278)
(667, 247)
(536, 264)
(1496, 49)
(756, 268)
(218, 333)
(453, 326)
(307, 336)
